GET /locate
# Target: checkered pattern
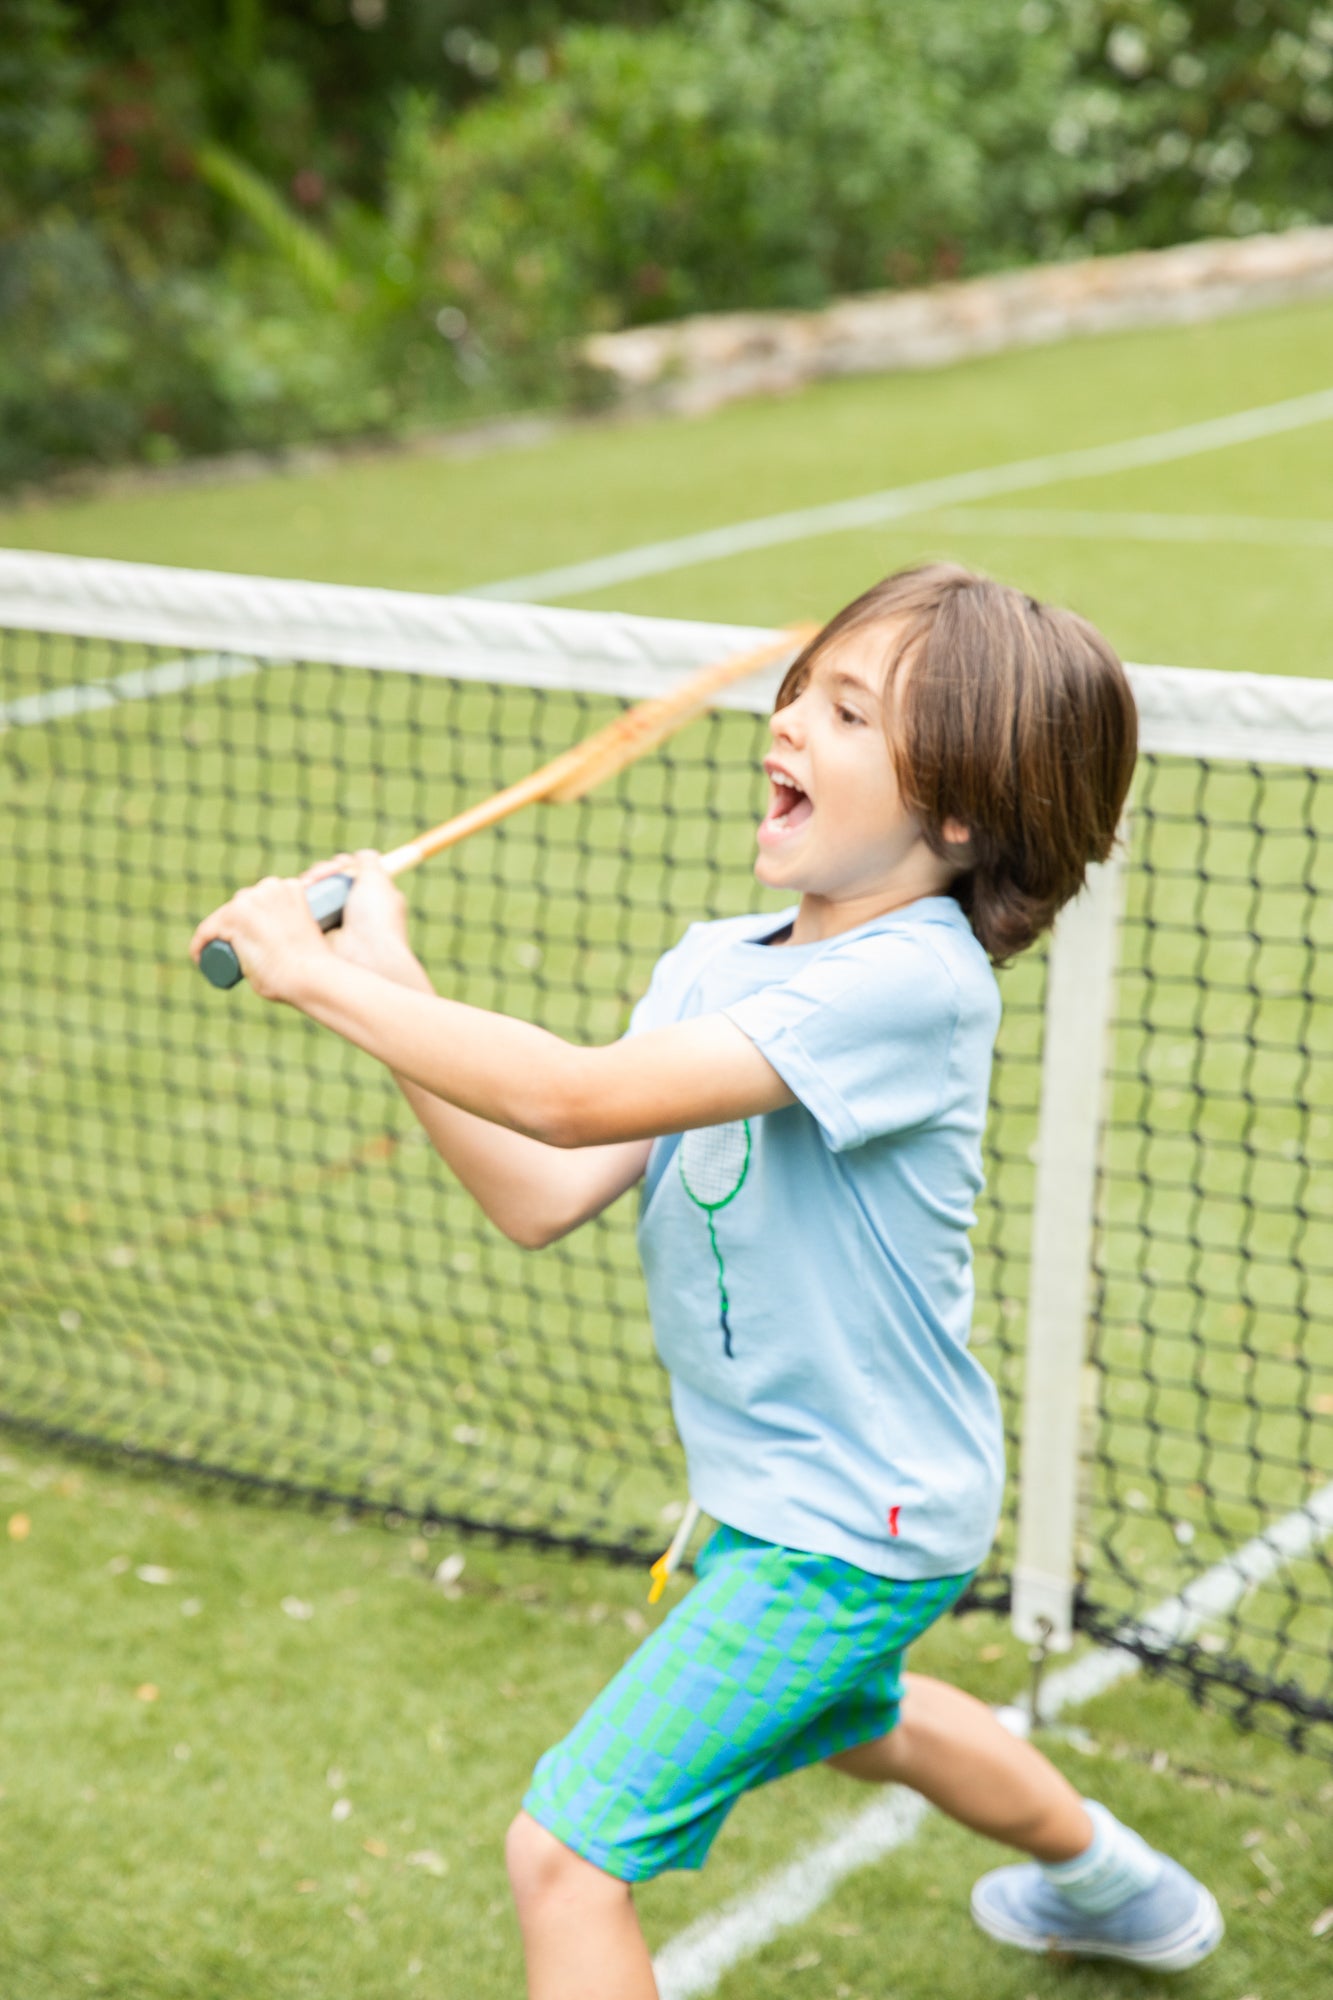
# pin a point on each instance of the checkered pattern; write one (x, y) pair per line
(775, 1659)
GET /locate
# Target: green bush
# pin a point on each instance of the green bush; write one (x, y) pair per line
(778, 152)
(1205, 120)
(755, 155)
(238, 234)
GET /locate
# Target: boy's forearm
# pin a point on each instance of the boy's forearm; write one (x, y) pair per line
(504, 1071)
(533, 1192)
(492, 1162)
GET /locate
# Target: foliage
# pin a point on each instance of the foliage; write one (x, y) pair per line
(258, 222)
(1212, 118)
(756, 155)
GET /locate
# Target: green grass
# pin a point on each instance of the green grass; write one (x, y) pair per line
(183, 1846)
(221, 1238)
(426, 524)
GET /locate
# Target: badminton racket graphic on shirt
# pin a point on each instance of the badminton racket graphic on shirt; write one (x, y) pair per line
(713, 1163)
(567, 777)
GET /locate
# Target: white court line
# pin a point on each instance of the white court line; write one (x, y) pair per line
(1057, 524)
(926, 496)
(141, 684)
(694, 1961)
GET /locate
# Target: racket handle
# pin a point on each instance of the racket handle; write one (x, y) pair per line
(326, 900)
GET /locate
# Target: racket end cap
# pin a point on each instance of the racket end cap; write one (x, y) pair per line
(219, 964)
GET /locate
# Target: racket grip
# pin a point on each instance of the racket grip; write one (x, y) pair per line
(326, 900)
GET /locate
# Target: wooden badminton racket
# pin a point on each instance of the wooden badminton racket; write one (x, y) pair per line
(569, 776)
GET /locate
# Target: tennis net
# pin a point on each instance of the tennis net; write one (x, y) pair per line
(225, 1245)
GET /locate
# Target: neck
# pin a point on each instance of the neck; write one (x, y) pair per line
(822, 917)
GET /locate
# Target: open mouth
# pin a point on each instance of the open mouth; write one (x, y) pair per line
(789, 808)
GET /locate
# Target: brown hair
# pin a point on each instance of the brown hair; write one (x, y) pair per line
(1013, 717)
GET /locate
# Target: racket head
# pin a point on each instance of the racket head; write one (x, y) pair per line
(713, 1163)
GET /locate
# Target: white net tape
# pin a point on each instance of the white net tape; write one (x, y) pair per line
(1259, 718)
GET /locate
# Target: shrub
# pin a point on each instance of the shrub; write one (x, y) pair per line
(753, 155)
(197, 251)
(1202, 120)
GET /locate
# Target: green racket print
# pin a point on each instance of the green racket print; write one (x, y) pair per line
(713, 1164)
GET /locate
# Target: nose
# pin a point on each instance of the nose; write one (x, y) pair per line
(787, 724)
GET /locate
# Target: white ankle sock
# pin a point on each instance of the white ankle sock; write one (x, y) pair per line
(1114, 1866)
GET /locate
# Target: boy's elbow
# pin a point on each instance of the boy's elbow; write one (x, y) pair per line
(537, 1232)
(571, 1111)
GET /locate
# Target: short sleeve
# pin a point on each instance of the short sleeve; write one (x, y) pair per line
(672, 977)
(861, 1036)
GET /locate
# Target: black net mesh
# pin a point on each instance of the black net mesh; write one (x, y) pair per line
(224, 1242)
(1211, 1450)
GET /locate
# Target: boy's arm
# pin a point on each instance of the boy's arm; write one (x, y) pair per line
(534, 1193)
(701, 1072)
(543, 1135)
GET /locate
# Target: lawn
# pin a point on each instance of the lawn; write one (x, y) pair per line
(222, 1241)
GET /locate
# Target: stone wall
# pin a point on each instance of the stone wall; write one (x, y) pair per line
(694, 365)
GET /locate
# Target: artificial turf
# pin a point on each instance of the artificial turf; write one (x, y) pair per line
(159, 1846)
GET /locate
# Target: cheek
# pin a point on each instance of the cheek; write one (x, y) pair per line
(870, 788)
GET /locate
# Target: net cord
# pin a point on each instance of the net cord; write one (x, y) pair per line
(1183, 711)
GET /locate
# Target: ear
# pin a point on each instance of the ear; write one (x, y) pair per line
(955, 834)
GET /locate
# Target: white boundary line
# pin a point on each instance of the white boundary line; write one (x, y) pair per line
(692, 1963)
(926, 496)
(141, 684)
(1058, 525)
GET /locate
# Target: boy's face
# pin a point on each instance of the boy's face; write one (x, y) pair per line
(837, 829)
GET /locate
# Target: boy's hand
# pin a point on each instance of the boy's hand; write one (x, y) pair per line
(272, 932)
(373, 933)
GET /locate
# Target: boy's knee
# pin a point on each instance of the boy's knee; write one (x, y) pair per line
(541, 1868)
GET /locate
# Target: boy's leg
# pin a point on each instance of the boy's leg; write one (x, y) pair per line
(581, 1937)
(949, 1747)
(1095, 1890)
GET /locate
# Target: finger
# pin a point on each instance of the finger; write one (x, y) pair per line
(340, 864)
(212, 926)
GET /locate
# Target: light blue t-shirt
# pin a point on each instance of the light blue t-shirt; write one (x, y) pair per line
(812, 1297)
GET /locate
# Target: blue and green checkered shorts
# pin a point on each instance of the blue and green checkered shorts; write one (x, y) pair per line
(774, 1660)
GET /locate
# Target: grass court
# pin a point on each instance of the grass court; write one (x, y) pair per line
(248, 1751)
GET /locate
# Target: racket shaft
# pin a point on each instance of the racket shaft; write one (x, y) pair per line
(566, 777)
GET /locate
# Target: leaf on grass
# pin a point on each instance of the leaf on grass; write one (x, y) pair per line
(146, 1692)
(296, 1607)
(341, 1809)
(427, 1858)
(379, 1848)
(990, 1654)
(20, 1527)
(1322, 1924)
(449, 1571)
(118, 1565)
(154, 1573)
(306, 1888)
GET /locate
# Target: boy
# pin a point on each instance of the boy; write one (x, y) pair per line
(803, 1097)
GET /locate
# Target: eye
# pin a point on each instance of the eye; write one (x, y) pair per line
(846, 714)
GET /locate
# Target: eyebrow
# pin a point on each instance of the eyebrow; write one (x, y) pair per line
(851, 680)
